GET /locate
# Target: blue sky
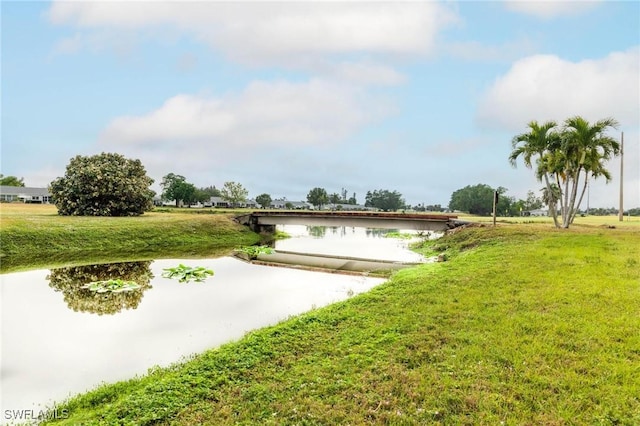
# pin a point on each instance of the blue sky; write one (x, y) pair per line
(418, 97)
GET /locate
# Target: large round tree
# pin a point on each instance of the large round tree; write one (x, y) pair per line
(107, 184)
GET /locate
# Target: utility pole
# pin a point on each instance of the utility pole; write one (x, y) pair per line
(495, 206)
(621, 212)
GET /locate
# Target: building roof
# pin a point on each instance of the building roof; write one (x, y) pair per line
(24, 190)
(299, 203)
(283, 202)
(219, 200)
(350, 206)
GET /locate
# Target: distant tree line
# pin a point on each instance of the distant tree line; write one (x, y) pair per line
(478, 200)
(380, 199)
(176, 188)
(610, 211)
(11, 181)
(109, 184)
(319, 197)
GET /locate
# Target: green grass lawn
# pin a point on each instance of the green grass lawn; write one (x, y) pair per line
(524, 324)
(35, 236)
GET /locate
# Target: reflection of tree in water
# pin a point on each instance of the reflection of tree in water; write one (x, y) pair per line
(341, 230)
(317, 231)
(70, 281)
(378, 233)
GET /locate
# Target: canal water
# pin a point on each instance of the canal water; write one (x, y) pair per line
(58, 339)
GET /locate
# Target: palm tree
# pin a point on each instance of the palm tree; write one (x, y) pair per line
(551, 195)
(587, 149)
(563, 157)
(540, 141)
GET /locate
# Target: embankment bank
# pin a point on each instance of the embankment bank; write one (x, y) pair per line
(523, 324)
(34, 236)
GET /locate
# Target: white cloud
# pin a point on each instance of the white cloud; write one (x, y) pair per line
(268, 32)
(477, 51)
(182, 117)
(122, 43)
(544, 87)
(365, 73)
(200, 131)
(548, 9)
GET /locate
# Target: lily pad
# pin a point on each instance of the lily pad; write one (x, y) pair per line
(185, 274)
(111, 286)
(252, 252)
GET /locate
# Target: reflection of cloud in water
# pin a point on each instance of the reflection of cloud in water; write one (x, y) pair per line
(70, 282)
(368, 243)
(52, 350)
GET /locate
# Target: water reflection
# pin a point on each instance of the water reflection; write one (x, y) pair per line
(317, 231)
(343, 231)
(49, 350)
(70, 281)
(359, 242)
(381, 233)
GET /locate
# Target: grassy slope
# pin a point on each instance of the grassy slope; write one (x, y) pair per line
(34, 236)
(524, 324)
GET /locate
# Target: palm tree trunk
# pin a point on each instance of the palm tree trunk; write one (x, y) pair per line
(565, 209)
(552, 203)
(572, 199)
(560, 195)
(584, 189)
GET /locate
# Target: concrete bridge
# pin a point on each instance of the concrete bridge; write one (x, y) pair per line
(266, 221)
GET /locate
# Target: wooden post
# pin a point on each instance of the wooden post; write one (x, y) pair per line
(621, 212)
(495, 206)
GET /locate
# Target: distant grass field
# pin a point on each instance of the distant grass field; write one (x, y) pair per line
(629, 221)
(35, 236)
(523, 325)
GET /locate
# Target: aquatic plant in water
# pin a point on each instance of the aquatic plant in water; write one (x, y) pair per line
(112, 286)
(186, 274)
(407, 235)
(401, 235)
(253, 251)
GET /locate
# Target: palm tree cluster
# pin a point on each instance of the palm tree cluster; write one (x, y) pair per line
(566, 156)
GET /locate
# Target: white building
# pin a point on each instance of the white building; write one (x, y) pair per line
(537, 212)
(25, 194)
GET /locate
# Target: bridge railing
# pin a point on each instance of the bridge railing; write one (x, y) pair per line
(265, 221)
